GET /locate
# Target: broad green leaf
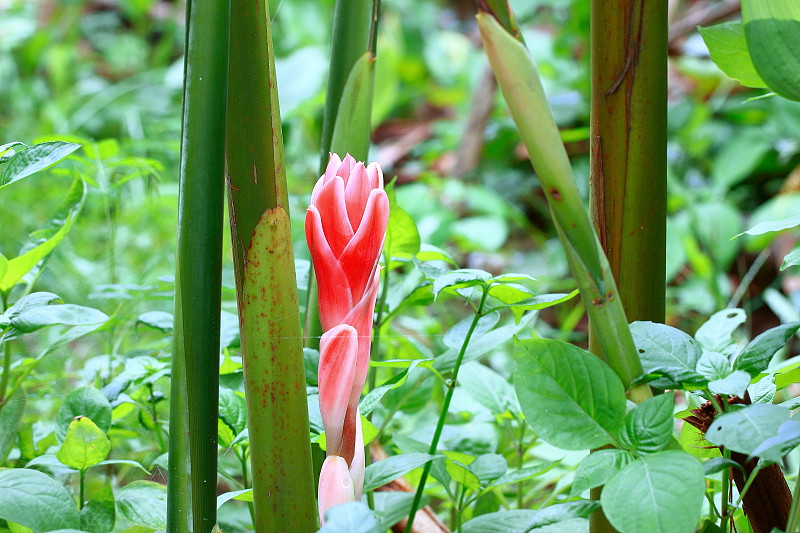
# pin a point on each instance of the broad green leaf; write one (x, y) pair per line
(541, 301)
(160, 320)
(667, 350)
(462, 474)
(763, 391)
(715, 334)
(382, 472)
(772, 30)
(648, 427)
(402, 237)
(37, 501)
(738, 158)
(642, 498)
(775, 448)
(10, 418)
(373, 398)
(757, 354)
(352, 128)
(570, 398)
(693, 442)
(734, 384)
(85, 444)
(3, 265)
(33, 159)
(771, 226)
(488, 388)
(88, 402)
(597, 468)
(62, 315)
(457, 279)
(489, 467)
(99, 514)
(353, 517)
(728, 48)
(713, 365)
(510, 293)
(28, 302)
(232, 410)
(745, 429)
(143, 503)
(561, 515)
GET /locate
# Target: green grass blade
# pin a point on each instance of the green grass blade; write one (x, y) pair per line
(195, 385)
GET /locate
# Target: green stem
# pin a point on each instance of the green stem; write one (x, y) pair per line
(794, 514)
(726, 482)
(376, 336)
(246, 485)
(6, 372)
(82, 490)
(445, 406)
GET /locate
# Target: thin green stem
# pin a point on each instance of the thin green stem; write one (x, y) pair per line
(726, 482)
(794, 514)
(749, 482)
(376, 335)
(82, 489)
(520, 462)
(445, 406)
(246, 484)
(6, 372)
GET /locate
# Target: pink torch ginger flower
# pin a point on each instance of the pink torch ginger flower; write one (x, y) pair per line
(345, 229)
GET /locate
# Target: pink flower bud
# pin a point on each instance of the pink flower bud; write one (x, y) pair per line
(345, 230)
(338, 350)
(335, 485)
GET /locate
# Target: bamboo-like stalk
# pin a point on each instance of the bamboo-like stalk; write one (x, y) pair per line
(195, 386)
(629, 155)
(519, 81)
(266, 286)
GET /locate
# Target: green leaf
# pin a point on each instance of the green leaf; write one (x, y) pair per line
(715, 464)
(455, 336)
(353, 517)
(667, 350)
(648, 427)
(245, 495)
(734, 384)
(44, 240)
(143, 503)
(728, 48)
(393, 506)
(570, 398)
(522, 474)
(160, 320)
(36, 500)
(232, 410)
(459, 279)
(514, 521)
(99, 514)
(88, 402)
(642, 498)
(3, 265)
(715, 334)
(771, 226)
(693, 442)
(563, 515)
(745, 429)
(62, 315)
(488, 388)
(387, 470)
(713, 365)
(739, 157)
(402, 237)
(772, 30)
(373, 398)
(757, 354)
(763, 391)
(597, 468)
(792, 258)
(775, 448)
(84, 445)
(462, 474)
(351, 131)
(10, 418)
(33, 159)
(488, 467)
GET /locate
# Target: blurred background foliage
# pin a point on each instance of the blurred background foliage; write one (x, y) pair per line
(108, 74)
